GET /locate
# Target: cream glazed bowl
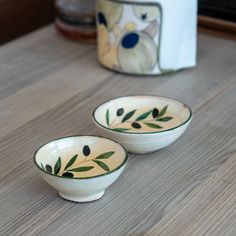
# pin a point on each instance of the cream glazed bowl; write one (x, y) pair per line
(143, 123)
(80, 168)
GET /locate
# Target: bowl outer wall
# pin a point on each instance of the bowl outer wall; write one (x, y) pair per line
(82, 187)
(147, 142)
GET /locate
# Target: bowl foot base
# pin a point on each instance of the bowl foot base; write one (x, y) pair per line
(88, 198)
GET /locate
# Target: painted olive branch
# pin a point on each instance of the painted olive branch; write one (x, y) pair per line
(157, 115)
(72, 167)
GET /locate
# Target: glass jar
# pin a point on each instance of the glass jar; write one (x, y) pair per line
(76, 19)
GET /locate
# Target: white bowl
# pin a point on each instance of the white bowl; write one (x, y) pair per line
(142, 124)
(80, 168)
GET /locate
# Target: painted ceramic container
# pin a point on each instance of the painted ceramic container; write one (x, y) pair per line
(133, 37)
(143, 124)
(80, 168)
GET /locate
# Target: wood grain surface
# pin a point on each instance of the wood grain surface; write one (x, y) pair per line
(210, 209)
(49, 88)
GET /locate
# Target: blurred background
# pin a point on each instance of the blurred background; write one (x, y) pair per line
(19, 17)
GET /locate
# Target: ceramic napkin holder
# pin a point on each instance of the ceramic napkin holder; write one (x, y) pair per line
(147, 37)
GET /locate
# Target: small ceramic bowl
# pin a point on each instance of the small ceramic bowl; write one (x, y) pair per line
(143, 124)
(80, 168)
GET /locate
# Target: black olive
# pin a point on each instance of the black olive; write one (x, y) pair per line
(136, 125)
(86, 150)
(48, 168)
(67, 174)
(120, 112)
(155, 113)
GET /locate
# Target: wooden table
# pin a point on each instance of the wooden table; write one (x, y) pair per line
(49, 88)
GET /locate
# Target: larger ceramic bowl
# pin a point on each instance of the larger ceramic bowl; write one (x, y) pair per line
(142, 124)
(80, 168)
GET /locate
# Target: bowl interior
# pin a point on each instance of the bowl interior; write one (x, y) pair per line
(80, 157)
(142, 114)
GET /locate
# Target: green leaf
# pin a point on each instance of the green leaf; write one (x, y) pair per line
(57, 166)
(71, 161)
(82, 169)
(163, 111)
(165, 119)
(102, 165)
(42, 166)
(154, 126)
(108, 118)
(121, 129)
(128, 115)
(144, 115)
(105, 155)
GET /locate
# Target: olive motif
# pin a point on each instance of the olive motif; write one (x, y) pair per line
(48, 168)
(155, 113)
(67, 174)
(136, 125)
(130, 40)
(120, 112)
(86, 150)
(137, 53)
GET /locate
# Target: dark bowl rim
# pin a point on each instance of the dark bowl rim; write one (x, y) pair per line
(141, 95)
(89, 177)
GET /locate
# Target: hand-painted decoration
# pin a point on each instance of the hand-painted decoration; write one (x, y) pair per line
(128, 36)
